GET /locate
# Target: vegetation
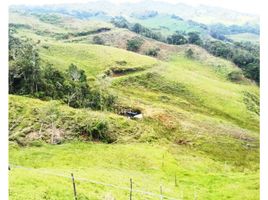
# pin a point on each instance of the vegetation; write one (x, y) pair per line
(194, 38)
(244, 37)
(97, 40)
(177, 39)
(237, 52)
(152, 52)
(236, 76)
(27, 77)
(234, 29)
(189, 53)
(147, 165)
(120, 22)
(134, 44)
(241, 56)
(43, 119)
(199, 132)
(138, 28)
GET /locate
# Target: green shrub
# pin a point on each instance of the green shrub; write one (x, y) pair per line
(236, 76)
(134, 44)
(152, 52)
(177, 39)
(189, 53)
(97, 40)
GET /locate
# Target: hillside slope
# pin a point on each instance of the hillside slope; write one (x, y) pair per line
(197, 125)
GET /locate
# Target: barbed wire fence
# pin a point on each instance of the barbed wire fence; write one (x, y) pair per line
(73, 179)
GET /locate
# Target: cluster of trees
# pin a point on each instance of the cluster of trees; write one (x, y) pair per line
(121, 22)
(28, 77)
(138, 28)
(243, 55)
(179, 38)
(49, 18)
(234, 29)
(218, 31)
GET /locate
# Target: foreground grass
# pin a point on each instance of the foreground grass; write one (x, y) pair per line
(149, 165)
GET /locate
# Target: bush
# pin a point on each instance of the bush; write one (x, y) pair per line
(134, 44)
(177, 39)
(189, 53)
(235, 76)
(98, 40)
(152, 52)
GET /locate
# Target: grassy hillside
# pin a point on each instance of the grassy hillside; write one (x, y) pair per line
(243, 37)
(196, 122)
(148, 166)
(104, 9)
(167, 25)
(94, 59)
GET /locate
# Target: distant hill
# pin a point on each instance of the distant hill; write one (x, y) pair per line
(102, 9)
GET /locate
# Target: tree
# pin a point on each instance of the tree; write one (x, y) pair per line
(49, 115)
(194, 38)
(242, 58)
(134, 44)
(52, 83)
(252, 71)
(137, 28)
(24, 67)
(176, 39)
(120, 22)
(102, 98)
(219, 48)
(76, 88)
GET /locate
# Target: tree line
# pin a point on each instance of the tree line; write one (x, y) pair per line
(27, 76)
(244, 54)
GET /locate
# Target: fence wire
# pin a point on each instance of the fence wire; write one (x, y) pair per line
(94, 182)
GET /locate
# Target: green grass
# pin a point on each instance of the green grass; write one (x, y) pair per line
(148, 165)
(76, 124)
(94, 59)
(197, 124)
(166, 25)
(201, 87)
(243, 37)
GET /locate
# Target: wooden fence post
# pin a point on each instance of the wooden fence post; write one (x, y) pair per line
(163, 157)
(130, 194)
(75, 196)
(161, 193)
(195, 194)
(175, 180)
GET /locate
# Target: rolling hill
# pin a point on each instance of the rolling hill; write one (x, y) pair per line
(198, 138)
